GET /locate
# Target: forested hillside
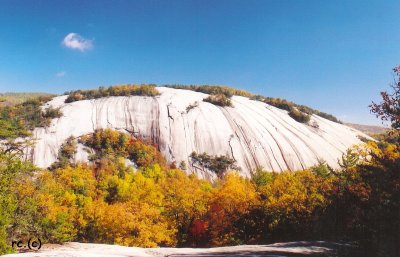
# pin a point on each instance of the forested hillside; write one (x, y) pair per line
(129, 194)
(158, 204)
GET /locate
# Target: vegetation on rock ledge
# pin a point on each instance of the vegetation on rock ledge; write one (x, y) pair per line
(217, 164)
(290, 106)
(18, 120)
(10, 99)
(299, 116)
(220, 95)
(123, 90)
(220, 100)
(213, 90)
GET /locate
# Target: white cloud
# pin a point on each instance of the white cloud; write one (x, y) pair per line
(77, 42)
(61, 74)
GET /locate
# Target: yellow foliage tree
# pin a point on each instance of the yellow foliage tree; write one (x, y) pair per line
(185, 201)
(233, 199)
(292, 198)
(131, 224)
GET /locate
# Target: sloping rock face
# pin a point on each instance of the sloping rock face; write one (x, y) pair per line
(253, 133)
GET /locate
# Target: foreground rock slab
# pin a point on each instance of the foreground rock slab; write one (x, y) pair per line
(303, 248)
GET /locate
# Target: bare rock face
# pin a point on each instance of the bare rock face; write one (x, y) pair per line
(251, 132)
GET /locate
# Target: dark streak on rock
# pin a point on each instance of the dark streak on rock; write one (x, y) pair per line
(93, 108)
(236, 127)
(229, 142)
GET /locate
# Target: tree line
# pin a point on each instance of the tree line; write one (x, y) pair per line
(154, 204)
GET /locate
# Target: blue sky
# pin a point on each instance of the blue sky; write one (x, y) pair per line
(335, 56)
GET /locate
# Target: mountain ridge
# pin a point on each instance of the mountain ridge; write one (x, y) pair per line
(252, 132)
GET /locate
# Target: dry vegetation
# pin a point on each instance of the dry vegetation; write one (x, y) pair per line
(221, 96)
(121, 90)
(8, 99)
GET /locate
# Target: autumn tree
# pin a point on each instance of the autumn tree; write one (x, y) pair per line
(63, 194)
(382, 173)
(293, 201)
(389, 108)
(186, 199)
(131, 224)
(13, 173)
(231, 203)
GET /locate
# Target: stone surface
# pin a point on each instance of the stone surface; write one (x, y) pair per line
(252, 132)
(300, 248)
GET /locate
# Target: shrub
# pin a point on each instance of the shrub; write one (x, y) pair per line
(213, 90)
(219, 95)
(228, 92)
(122, 90)
(218, 164)
(279, 103)
(299, 116)
(328, 116)
(284, 104)
(259, 98)
(192, 106)
(65, 154)
(306, 109)
(182, 165)
(220, 100)
(51, 113)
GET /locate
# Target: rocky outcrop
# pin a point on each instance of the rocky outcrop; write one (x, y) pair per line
(251, 132)
(302, 248)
